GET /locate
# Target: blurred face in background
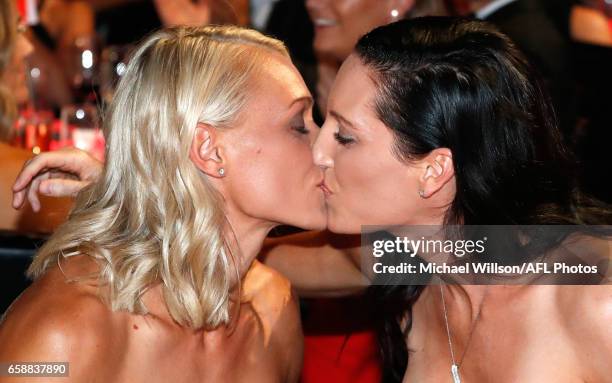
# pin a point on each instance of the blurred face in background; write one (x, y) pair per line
(340, 23)
(15, 73)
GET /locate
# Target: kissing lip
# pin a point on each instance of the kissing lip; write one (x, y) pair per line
(325, 189)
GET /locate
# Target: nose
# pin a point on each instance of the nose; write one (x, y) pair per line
(323, 148)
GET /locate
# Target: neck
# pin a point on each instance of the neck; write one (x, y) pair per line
(246, 236)
(461, 309)
(465, 300)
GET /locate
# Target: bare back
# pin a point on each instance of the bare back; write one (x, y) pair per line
(67, 322)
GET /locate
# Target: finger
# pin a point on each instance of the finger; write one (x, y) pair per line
(33, 194)
(36, 165)
(18, 199)
(57, 187)
(66, 160)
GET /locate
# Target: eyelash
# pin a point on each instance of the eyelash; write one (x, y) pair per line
(342, 140)
(301, 130)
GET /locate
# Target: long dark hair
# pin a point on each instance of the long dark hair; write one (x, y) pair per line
(462, 84)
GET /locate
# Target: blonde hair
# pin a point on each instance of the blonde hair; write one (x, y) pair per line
(8, 33)
(153, 217)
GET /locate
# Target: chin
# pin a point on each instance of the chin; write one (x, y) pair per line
(308, 221)
(340, 226)
(324, 48)
(318, 223)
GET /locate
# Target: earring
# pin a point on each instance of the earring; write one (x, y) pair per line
(221, 172)
(395, 13)
(422, 193)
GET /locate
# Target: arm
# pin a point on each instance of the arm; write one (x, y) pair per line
(318, 264)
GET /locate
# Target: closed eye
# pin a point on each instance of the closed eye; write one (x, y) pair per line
(343, 140)
(301, 130)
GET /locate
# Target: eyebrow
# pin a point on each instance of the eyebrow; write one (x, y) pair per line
(340, 118)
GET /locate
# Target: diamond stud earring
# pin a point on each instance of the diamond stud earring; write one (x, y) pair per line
(422, 193)
(221, 172)
(395, 13)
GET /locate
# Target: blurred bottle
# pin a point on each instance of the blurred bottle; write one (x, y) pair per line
(33, 130)
(81, 124)
(83, 68)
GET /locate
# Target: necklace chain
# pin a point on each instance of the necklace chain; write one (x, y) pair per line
(455, 366)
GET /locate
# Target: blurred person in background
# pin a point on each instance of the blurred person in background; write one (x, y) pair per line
(530, 24)
(64, 27)
(338, 24)
(14, 49)
(591, 29)
(122, 22)
(589, 23)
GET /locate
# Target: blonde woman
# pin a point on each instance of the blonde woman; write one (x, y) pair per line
(153, 279)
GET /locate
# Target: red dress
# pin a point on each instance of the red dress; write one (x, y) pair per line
(339, 343)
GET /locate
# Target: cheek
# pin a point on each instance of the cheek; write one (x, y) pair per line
(360, 17)
(377, 192)
(275, 181)
(15, 79)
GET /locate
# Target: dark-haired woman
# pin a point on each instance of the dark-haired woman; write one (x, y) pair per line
(441, 121)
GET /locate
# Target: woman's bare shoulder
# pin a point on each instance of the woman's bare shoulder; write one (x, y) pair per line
(57, 320)
(586, 314)
(581, 304)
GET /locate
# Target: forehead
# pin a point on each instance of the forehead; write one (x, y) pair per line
(353, 88)
(277, 82)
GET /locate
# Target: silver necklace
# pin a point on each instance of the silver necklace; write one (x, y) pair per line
(455, 365)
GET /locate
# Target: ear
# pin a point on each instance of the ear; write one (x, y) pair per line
(438, 169)
(205, 151)
(402, 7)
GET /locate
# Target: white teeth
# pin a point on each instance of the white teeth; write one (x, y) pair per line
(324, 22)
